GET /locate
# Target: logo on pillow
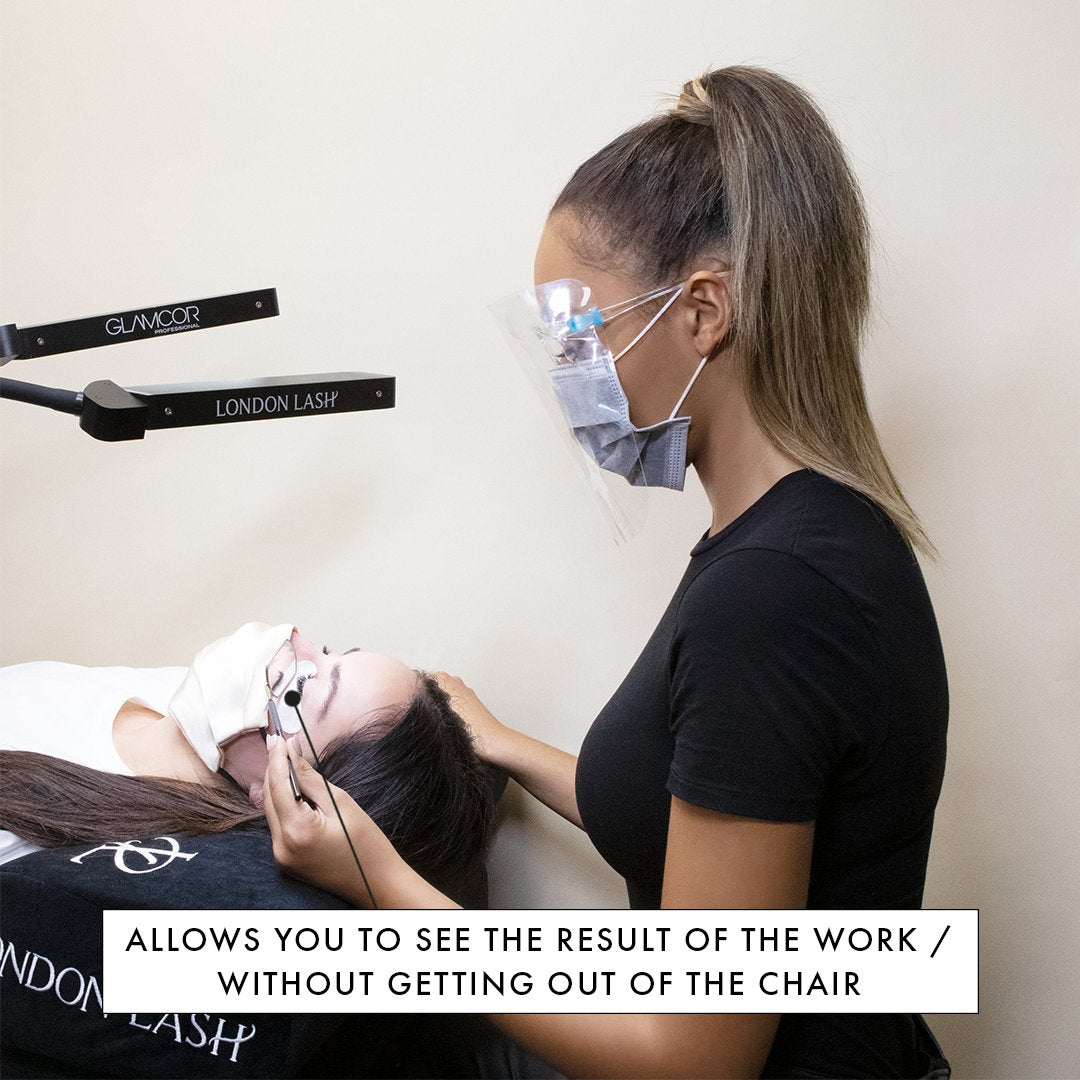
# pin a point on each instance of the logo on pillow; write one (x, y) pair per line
(158, 858)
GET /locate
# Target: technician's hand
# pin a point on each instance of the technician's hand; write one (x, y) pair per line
(489, 733)
(545, 771)
(308, 839)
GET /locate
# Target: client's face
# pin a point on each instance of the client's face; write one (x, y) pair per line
(348, 690)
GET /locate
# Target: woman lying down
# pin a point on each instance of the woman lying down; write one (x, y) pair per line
(100, 753)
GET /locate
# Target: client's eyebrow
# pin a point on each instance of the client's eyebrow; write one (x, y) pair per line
(335, 682)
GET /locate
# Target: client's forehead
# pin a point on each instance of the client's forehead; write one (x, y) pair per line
(378, 676)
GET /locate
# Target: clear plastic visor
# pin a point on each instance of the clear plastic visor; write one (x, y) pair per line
(549, 326)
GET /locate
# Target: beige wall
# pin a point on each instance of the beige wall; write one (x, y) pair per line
(387, 167)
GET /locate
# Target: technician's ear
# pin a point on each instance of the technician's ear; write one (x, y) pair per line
(256, 794)
(708, 309)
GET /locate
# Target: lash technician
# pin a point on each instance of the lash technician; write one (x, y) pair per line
(703, 285)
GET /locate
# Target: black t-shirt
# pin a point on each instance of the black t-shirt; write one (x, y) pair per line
(796, 675)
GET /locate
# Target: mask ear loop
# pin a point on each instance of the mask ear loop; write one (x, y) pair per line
(292, 699)
(648, 326)
(689, 386)
(704, 359)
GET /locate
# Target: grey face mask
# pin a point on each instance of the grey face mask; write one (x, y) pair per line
(597, 410)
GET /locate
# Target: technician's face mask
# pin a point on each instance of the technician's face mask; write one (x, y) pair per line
(553, 331)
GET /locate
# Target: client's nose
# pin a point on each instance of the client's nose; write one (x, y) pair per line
(302, 647)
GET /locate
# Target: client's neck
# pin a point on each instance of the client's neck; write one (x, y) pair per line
(244, 759)
(150, 744)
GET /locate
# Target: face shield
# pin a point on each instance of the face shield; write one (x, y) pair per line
(552, 330)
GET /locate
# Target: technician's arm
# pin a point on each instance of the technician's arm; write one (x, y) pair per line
(546, 772)
(714, 860)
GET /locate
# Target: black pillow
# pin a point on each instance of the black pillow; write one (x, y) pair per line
(51, 1020)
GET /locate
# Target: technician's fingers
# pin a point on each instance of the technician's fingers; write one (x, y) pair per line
(309, 781)
(268, 807)
(272, 796)
(293, 823)
(490, 734)
(452, 684)
(314, 786)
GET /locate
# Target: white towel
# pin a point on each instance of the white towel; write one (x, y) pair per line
(224, 692)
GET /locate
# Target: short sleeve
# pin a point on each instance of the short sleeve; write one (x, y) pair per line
(772, 667)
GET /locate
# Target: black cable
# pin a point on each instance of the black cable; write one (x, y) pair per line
(66, 401)
(318, 766)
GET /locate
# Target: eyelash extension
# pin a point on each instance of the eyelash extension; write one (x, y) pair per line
(326, 650)
(300, 683)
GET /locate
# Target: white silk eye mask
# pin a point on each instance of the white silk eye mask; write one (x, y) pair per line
(224, 691)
